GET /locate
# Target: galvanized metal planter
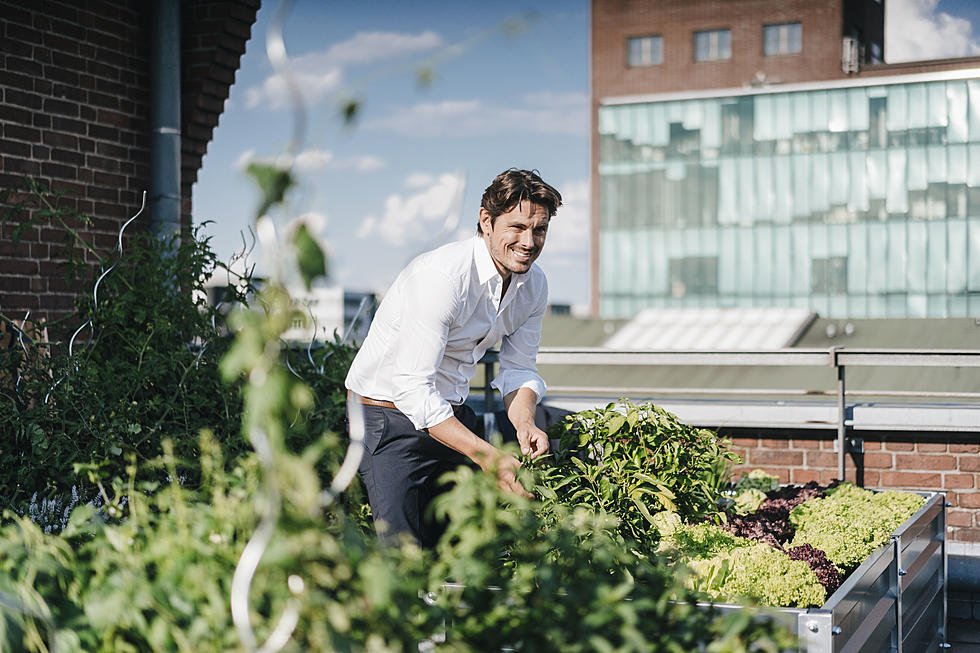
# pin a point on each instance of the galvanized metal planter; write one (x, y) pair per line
(895, 602)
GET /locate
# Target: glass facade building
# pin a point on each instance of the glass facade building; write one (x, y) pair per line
(854, 199)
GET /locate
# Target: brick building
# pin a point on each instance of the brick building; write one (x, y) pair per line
(750, 154)
(75, 114)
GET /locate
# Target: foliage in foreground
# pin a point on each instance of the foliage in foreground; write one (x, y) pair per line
(159, 577)
(632, 461)
(566, 581)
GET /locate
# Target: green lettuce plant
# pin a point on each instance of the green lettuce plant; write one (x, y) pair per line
(850, 522)
(761, 575)
(724, 567)
(757, 479)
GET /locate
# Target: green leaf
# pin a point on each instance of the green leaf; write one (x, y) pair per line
(615, 423)
(309, 256)
(632, 418)
(644, 511)
(349, 110)
(272, 181)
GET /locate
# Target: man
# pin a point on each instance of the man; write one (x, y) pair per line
(435, 323)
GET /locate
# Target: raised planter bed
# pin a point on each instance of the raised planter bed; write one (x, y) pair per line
(894, 602)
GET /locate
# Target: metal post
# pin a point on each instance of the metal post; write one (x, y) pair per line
(944, 635)
(841, 414)
(899, 607)
(165, 197)
(489, 416)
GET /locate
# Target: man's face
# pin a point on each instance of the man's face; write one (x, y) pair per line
(515, 238)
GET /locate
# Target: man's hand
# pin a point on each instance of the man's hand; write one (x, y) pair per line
(506, 469)
(521, 405)
(454, 435)
(533, 441)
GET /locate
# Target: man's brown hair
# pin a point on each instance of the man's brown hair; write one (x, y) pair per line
(511, 187)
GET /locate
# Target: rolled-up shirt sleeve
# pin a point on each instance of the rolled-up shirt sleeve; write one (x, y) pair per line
(429, 303)
(519, 352)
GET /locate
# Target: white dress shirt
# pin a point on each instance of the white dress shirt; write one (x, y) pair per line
(439, 317)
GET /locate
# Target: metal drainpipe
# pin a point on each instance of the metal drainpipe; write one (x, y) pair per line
(165, 198)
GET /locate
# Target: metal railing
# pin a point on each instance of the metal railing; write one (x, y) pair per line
(840, 359)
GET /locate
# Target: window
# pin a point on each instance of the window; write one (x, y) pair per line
(828, 276)
(785, 38)
(694, 275)
(874, 53)
(645, 51)
(713, 45)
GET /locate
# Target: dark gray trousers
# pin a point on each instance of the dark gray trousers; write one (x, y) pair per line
(400, 471)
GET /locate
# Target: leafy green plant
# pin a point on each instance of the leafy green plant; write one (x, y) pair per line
(143, 368)
(525, 581)
(701, 540)
(747, 501)
(632, 461)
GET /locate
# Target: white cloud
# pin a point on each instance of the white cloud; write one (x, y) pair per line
(313, 85)
(568, 232)
(366, 228)
(916, 30)
(368, 47)
(315, 160)
(364, 163)
(544, 112)
(317, 74)
(414, 217)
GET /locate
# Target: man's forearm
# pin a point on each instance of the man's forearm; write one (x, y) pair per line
(521, 405)
(457, 437)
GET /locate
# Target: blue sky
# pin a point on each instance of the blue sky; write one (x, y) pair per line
(508, 86)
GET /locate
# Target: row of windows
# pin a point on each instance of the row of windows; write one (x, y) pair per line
(861, 118)
(716, 45)
(799, 264)
(698, 275)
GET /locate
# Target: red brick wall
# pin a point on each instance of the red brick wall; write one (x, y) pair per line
(677, 20)
(950, 464)
(74, 114)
